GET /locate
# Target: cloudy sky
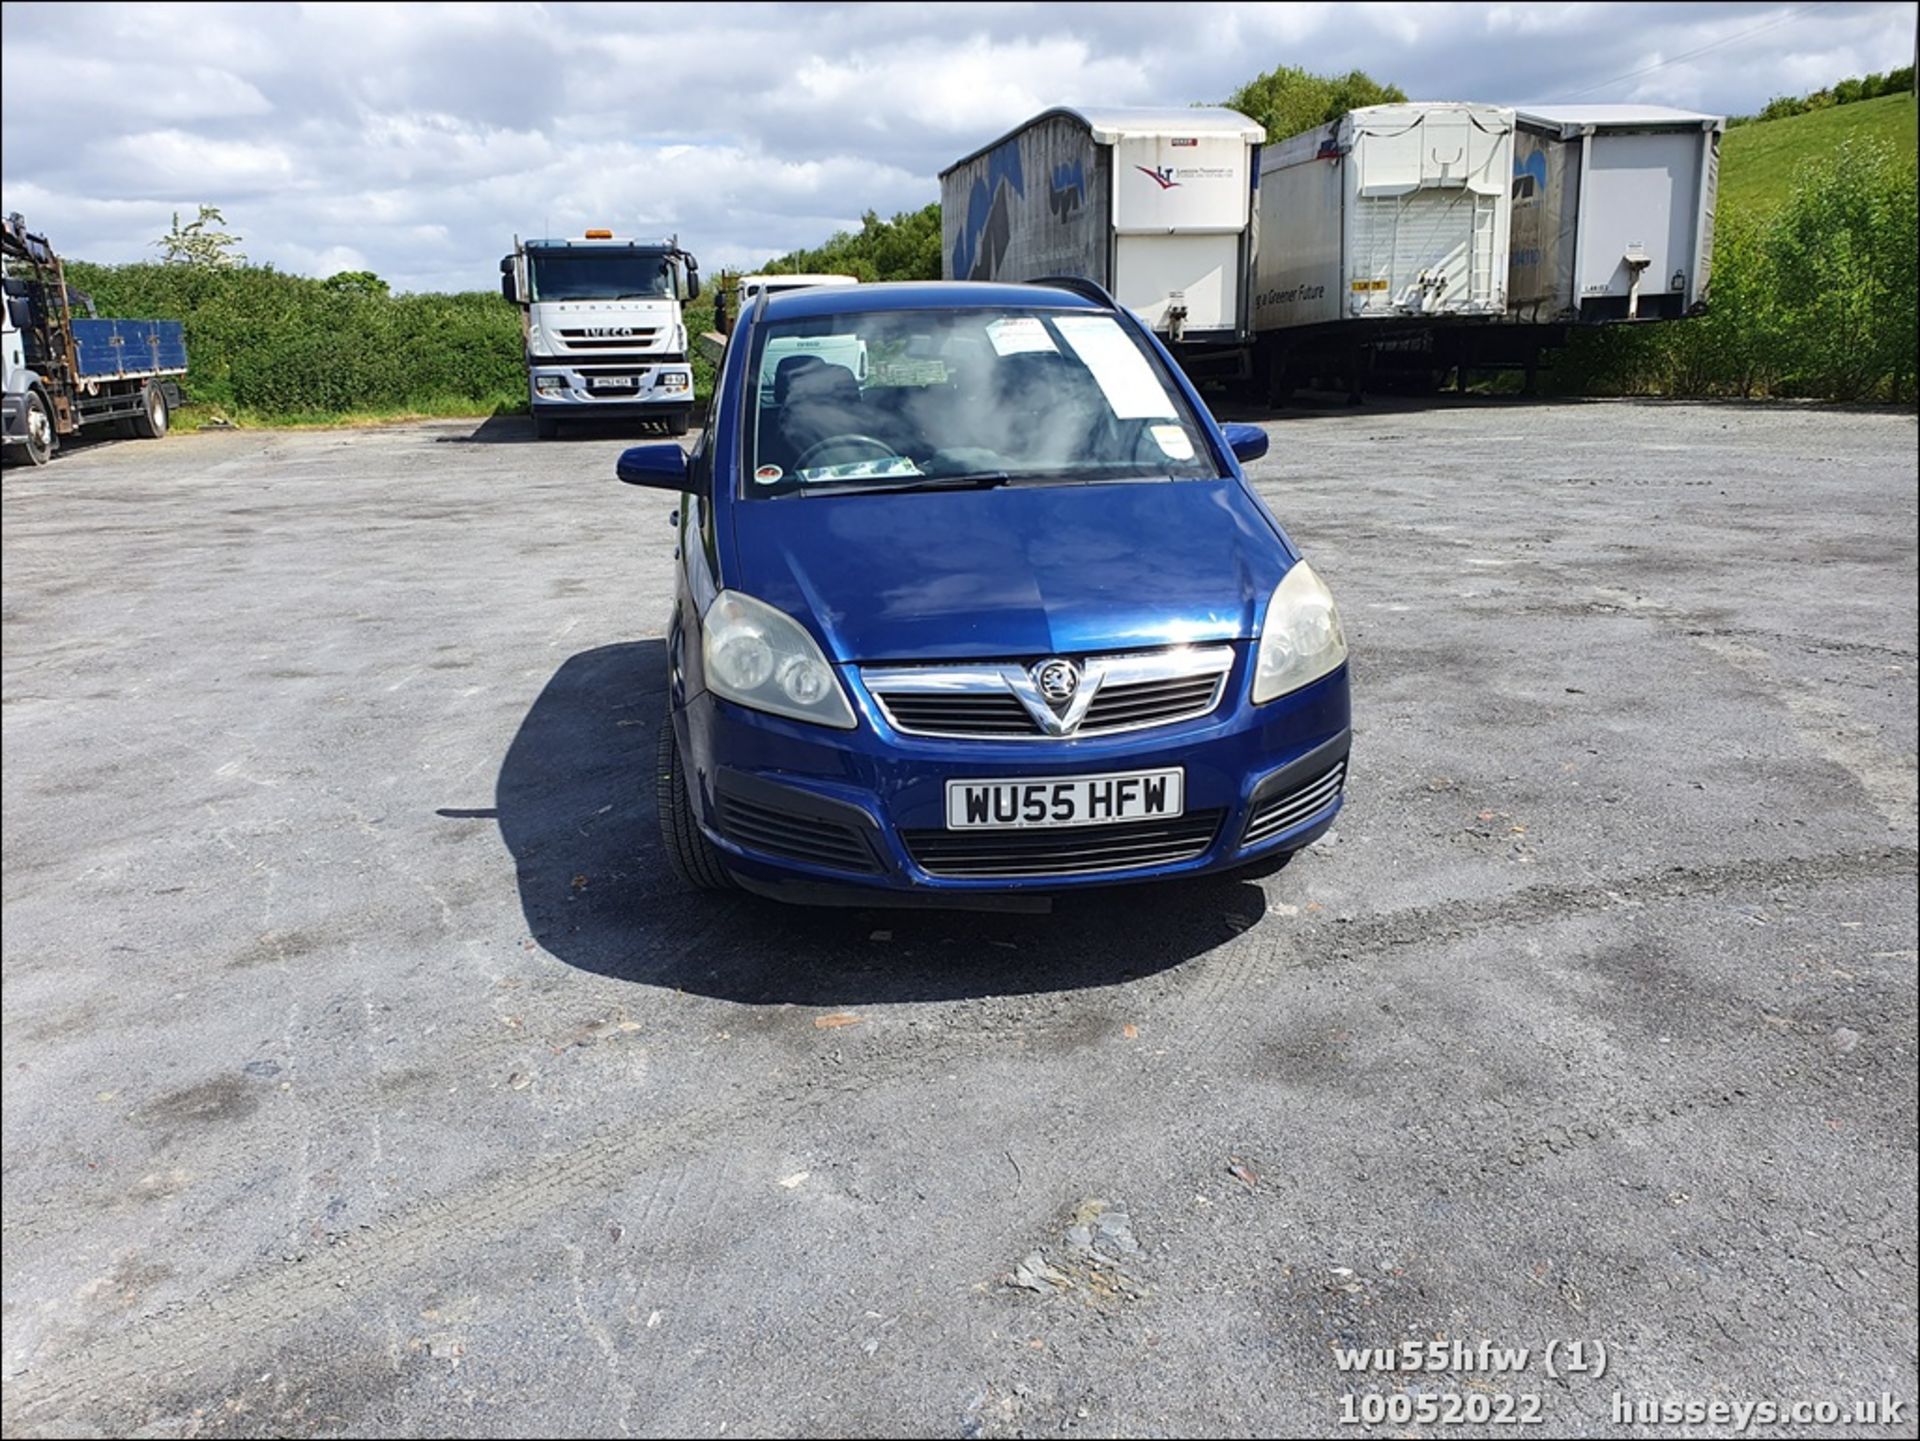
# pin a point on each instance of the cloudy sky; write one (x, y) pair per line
(415, 139)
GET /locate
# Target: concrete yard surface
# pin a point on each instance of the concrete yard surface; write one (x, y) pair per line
(365, 1071)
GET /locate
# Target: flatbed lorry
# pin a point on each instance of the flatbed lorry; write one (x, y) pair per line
(63, 374)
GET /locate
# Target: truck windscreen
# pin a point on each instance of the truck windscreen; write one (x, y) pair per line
(601, 275)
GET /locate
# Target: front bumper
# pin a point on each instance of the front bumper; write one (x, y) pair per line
(796, 807)
(569, 391)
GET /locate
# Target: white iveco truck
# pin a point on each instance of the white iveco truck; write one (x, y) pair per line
(604, 334)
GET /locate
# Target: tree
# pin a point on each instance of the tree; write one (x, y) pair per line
(906, 247)
(357, 282)
(203, 242)
(1289, 100)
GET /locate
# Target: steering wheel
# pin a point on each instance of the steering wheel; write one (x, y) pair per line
(881, 450)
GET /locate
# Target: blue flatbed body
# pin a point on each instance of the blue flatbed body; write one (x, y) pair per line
(129, 349)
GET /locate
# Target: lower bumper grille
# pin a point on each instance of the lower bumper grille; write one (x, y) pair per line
(780, 832)
(1277, 813)
(1062, 850)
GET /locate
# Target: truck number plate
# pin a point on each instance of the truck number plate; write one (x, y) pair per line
(612, 382)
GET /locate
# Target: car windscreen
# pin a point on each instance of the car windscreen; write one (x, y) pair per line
(600, 275)
(890, 398)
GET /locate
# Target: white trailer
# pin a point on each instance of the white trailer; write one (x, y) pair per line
(1612, 212)
(1155, 205)
(1388, 218)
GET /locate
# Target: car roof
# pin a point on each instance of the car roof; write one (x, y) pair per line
(922, 295)
(797, 282)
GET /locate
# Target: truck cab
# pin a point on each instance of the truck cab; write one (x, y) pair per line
(604, 334)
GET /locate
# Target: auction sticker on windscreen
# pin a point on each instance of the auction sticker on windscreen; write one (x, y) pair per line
(1122, 372)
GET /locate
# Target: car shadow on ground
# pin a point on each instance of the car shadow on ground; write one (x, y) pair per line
(575, 807)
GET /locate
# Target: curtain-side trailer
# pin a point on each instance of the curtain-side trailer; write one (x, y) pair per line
(1613, 212)
(1612, 224)
(1155, 205)
(1387, 222)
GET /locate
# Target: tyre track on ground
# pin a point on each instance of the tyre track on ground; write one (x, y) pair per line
(211, 1328)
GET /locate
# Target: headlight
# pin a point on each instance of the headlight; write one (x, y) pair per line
(1301, 639)
(763, 658)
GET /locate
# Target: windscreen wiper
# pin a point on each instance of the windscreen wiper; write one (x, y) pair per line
(982, 480)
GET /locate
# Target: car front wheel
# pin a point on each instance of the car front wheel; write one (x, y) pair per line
(691, 855)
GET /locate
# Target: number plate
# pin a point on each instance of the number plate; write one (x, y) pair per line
(612, 382)
(1066, 801)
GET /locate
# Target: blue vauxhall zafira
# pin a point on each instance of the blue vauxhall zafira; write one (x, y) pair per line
(975, 605)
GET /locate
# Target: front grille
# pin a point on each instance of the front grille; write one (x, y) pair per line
(998, 698)
(1062, 850)
(1121, 704)
(1287, 809)
(779, 832)
(978, 714)
(581, 340)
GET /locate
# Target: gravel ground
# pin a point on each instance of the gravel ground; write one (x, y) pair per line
(364, 1071)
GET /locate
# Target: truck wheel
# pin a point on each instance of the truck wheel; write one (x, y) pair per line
(546, 427)
(40, 435)
(690, 854)
(151, 423)
(679, 422)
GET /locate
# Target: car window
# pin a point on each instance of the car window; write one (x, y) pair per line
(1030, 394)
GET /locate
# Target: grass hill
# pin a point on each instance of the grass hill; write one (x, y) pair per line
(1757, 161)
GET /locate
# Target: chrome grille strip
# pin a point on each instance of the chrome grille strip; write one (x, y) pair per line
(1282, 812)
(1066, 851)
(1000, 701)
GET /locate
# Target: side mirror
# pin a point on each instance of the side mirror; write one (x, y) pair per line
(507, 289)
(1247, 442)
(658, 467)
(693, 281)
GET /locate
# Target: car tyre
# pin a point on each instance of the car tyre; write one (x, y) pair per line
(151, 422)
(693, 857)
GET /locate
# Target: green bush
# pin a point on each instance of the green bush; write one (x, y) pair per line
(1846, 92)
(272, 346)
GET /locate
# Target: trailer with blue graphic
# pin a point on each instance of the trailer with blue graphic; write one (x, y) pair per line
(1612, 212)
(62, 373)
(1155, 205)
(1612, 224)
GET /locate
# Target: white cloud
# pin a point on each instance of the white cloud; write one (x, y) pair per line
(173, 161)
(416, 140)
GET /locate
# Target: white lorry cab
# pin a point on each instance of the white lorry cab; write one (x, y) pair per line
(605, 337)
